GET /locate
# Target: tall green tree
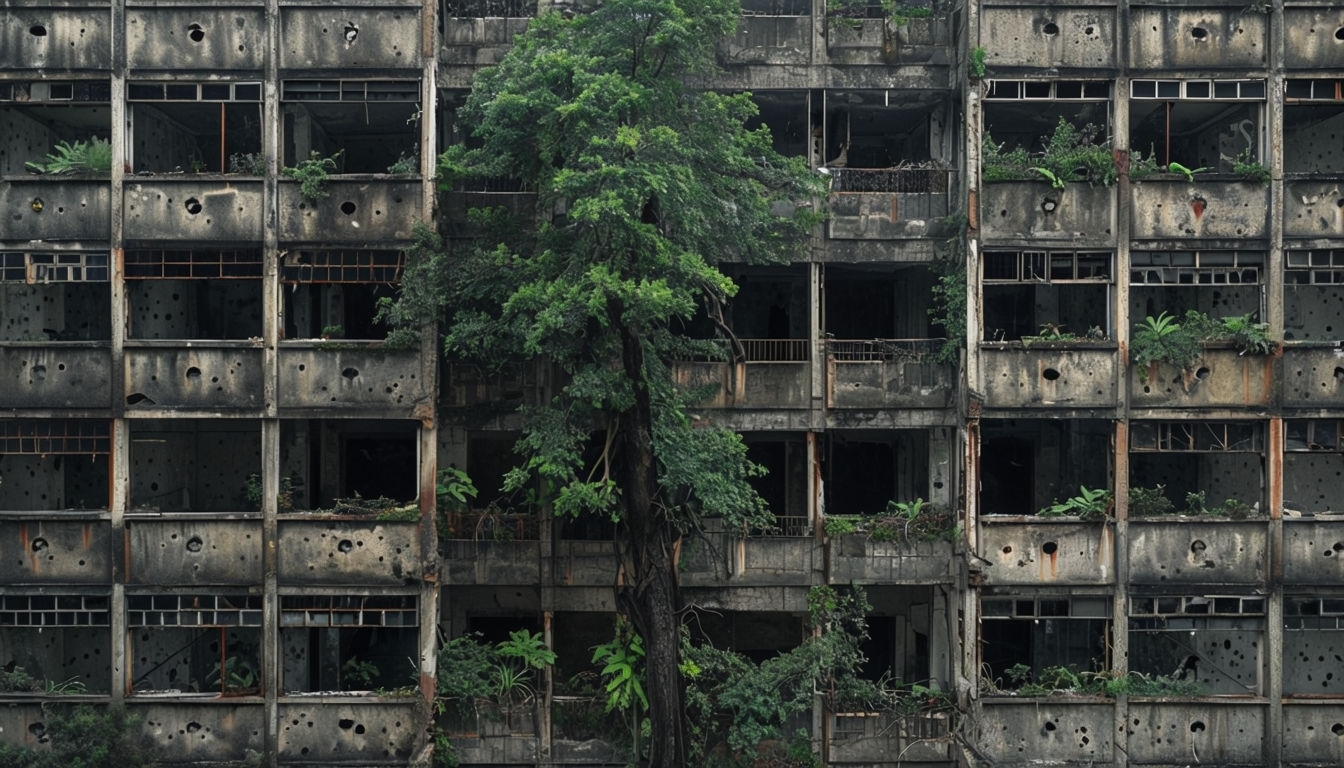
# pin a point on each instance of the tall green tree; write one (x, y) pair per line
(643, 186)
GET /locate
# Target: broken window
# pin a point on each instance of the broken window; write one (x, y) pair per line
(210, 127)
(1212, 460)
(1313, 462)
(907, 636)
(54, 464)
(322, 461)
(1313, 644)
(494, 515)
(194, 294)
(785, 114)
(895, 299)
(1030, 293)
(335, 294)
(770, 315)
(195, 643)
(55, 296)
(1313, 122)
(36, 116)
(373, 124)
(59, 641)
(1313, 294)
(869, 129)
(1197, 123)
(1023, 634)
(1212, 641)
(1027, 464)
(348, 642)
(1024, 113)
(188, 465)
(862, 472)
(784, 485)
(1217, 283)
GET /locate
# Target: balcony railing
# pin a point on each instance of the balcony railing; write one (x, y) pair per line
(775, 350)
(872, 350)
(898, 180)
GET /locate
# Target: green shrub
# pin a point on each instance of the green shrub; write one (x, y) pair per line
(92, 156)
(312, 174)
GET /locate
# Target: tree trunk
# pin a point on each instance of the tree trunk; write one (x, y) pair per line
(649, 595)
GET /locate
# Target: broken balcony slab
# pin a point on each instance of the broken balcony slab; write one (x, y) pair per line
(327, 551)
(1047, 551)
(1198, 551)
(1034, 211)
(1222, 377)
(191, 551)
(1049, 375)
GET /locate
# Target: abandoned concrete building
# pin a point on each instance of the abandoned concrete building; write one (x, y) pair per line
(1148, 566)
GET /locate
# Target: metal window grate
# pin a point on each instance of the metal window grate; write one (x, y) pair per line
(1046, 266)
(1078, 607)
(1313, 90)
(55, 611)
(57, 436)
(29, 267)
(351, 90)
(1052, 90)
(194, 610)
(180, 91)
(1222, 90)
(84, 91)
(241, 264)
(348, 611)
(872, 350)
(1196, 267)
(355, 266)
(1314, 267)
(1203, 436)
(898, 180)
(775, 350)
(1197, 605)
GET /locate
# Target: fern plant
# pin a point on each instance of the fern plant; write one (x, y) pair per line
(1089, 504)
(1161, 338)
(312, 174)
(92, 156)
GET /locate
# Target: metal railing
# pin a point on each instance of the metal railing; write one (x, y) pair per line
(870, 350)
(899, 180)
(775, 350)
(494, 9)
(489, 526)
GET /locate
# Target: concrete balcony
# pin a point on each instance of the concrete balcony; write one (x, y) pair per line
(1221, 732)
(55, 38)
(350, 37)
(211, 376)
(1166, 206)
(1063, 730)
(1311, 207)
(879, 42)
(356, 552)
(220, 731)
(352, 732)
(53, 208)
(194, 208)
(369, 210)
(887, 373)
(1044, 551)
(1049, 37)
(1198, 551)
(67, 551)
(1189, 37)
(477, 42)
(491, 736)
(490, 549)
(778, 40)
(1311, 733)
(775, 374)
(1313, 375)
(66, 375)
(192, 552)
(1222, 377)
(857, 559)
(1312, 38)
(1049, 375)
(195, 38)
(873, 738)
(889, 203)
(1034, 211)
(584, 563)
(351, 375)
(1313, 550)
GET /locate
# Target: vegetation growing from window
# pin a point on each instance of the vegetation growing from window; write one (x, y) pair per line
(976, 63)
(947, 304)
(248, 163)
(1069, 154)
(1164, 339)
(312, 174)
(1089, 504)
(84, 736)
(1020, 680)
(79, 157)
(1152, 502)
(916, 520)
(1250, 169)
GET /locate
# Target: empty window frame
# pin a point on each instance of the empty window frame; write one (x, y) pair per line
(1042, 631)
(1211, 642)
(61, 641)
(211, 127)
(776, 8)
(1313, 629)
(348, 642)
(39, 116)
(325, 461)
(367, 126)
(1313, 462)
(863, 472)
(1313, 112)
(1219, 459)
(1314, 267)
(54, 464)
(338, 289)
(63, 267)
(55, 295)
(195, 642)
(1025, 113)
(1049, 90)
(1196, 436)
(1032, 292)
(1217, 283)
(487, 9)
(187, 465)
(1198, 123)
(1312, 303)
(1026, 464)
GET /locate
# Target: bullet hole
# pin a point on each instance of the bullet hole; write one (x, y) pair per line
(1049, 547)
(39, 729)
(37, 30)
(1050, 374)
(348, 208)
(37, 205)
(351, 32)
(136, 398)
(1089, 31)
(1199, 33)
(345, 545)
(1197, 548)
(1202, 373)
(194, 544)
(39, 544)
(1339, 34)
(192, 205)
(1337, 729)
(1050, 29)
(1339, 373)
(1048, 205)
(193, 372)
(196, 32)
(346, 723)
(1049, 726)
(359, 729)
(1008, 550)
(1197, 726)
(193, 727)
(350, 373)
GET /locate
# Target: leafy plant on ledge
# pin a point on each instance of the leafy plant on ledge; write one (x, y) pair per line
(1051, 333)
(1069, 154)
(312, 174)
(1089, 504)
(905, 521)
(92, 156)
(1163, 339)
(1066, 680)
(1249, 169)
(1153, 502)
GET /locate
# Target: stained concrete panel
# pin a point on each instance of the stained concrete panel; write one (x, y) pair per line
(1312, 38)
(196, 733)
(478, 41)
(1063, 731)
(1313, 548)
(1197, 38)
(42, 208)
(59, 376)
(1061, 375)
(1194, 551)
(194, 209)
(193, 38)
(193, 552)
(1048, 552)
(371, 211)
(891, 383)
(341, 730)
(1174, 733)
(349, 552)
(1313, 662)
(1048, 37)
(856, 559)
(194, 377)
(489, 562)
(71, 552)
(1028, 210)
(341, 374)
(1221, 377)
(779, 40)
(1162, 208)
(1313, 208)
(55, 38)
(886, 215)
(350, 37)
(1312, 312)
(1311, 733)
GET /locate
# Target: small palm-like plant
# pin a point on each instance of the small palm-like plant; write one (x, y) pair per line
(92, 156)
(1089, 504)
(1162, 338)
